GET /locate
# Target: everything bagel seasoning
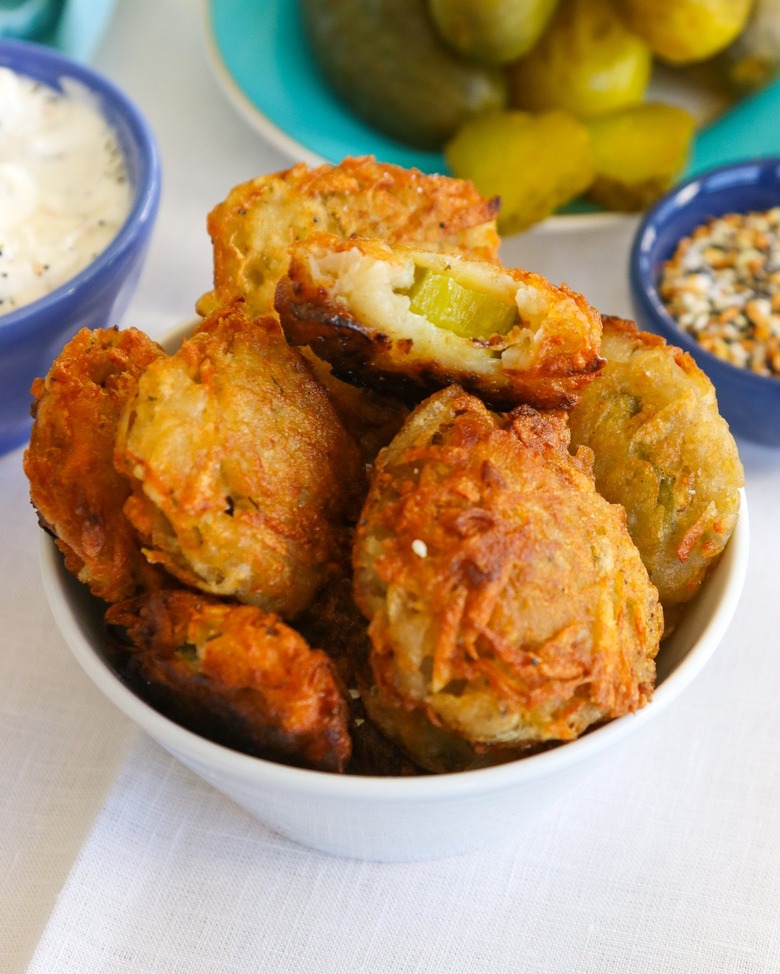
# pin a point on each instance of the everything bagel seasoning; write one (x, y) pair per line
(722, 286)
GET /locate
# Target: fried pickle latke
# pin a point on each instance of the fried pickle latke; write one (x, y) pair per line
(73, 484)
(243, 478)
(411, 321)
(253, 227)
(507, 602)
(237, 675)
(665, 453)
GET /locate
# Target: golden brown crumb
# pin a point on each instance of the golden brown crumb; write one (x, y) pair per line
(253, 227)
(73, 484)
(237, 674)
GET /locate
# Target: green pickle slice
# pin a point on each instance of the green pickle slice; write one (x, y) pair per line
(639, 152)
(462, 310)
(534, 162)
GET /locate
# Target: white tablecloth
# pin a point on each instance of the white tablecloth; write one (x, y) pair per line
(114, 858)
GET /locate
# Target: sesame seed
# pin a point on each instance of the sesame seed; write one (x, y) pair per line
(420, 548)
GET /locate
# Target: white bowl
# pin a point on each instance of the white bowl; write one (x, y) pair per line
(399, 819)
(396, 819)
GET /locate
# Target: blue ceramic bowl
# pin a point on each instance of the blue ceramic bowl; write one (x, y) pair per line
(749, 402)
(32, 336)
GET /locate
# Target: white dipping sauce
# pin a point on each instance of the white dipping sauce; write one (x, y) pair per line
(64, 192)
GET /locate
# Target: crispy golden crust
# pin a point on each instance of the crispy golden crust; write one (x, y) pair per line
(73, 484)
(334, 622)
(436, 749)
(243, 478)
(663, 451)
(370, 417)
(506, 600)
(254, 226)
(349, 301)
(238, 675)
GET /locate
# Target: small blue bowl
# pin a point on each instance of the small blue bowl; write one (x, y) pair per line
(749, 402)
(32, 336)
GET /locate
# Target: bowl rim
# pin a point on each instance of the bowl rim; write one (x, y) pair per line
(643, 279)
(378, 789)
(146, 197)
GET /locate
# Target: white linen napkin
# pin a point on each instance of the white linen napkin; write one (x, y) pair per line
(60, 740)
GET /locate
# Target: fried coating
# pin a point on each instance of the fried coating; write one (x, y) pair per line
(437, 750)
(410, 321)
(334, 622)
(370, 417)
(243, 478)
(664, 452)
(238, 675)
(253, 227)
(507, 603)
(73, 484)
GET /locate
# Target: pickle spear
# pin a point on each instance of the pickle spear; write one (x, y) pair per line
(462, 310)
(388, 65)
(491, 31)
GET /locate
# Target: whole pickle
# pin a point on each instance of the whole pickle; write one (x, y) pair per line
(534, 162)
(753, 60)
(686, 31)
(491, 31)
(387, 63)
(586, 63)
(639, 152)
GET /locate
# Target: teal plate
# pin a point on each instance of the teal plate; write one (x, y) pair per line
(260, 56)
